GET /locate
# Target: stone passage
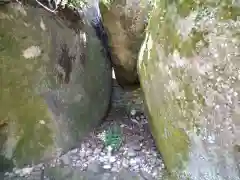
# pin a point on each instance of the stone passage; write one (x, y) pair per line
(135, 158)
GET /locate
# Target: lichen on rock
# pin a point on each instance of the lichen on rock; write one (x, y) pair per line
(55, 81)
(188, 67)
(125, 22)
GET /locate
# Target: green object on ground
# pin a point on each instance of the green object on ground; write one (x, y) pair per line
(113, 137)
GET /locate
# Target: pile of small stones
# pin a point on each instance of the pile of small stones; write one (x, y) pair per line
(137, 152)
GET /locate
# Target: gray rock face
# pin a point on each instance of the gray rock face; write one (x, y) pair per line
(189, 72)
(55, 82)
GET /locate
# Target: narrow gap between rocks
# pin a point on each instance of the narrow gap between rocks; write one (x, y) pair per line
(121, 147)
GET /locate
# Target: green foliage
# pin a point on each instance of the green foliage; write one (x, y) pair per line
(113, 137)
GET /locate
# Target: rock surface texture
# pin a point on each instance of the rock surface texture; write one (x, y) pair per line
(189, 72)
(55, 82)
(125, 22)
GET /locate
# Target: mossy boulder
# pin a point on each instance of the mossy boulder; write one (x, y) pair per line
(125, 22)
(55, 82)
(189, 73)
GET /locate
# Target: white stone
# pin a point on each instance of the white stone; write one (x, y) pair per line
(107, 166)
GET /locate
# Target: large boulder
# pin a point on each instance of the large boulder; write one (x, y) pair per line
(125, 22)
(55, 82)
(189, 73)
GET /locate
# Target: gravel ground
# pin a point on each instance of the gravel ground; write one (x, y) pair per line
(137, 154)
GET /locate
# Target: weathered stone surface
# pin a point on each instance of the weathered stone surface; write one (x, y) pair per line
(55, 82)
(189, 72)
(124, 22)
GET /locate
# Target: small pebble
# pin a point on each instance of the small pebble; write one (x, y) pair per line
(131, 153)
(135, 121)
(122, 125)
(136, 147)
(103, 159)
(102, 153)
(125, 163)
(112, 159)
(155, 172)
(97, 151)
(133, 162)
(74, 151)
(107, 166)
(78, 163)
(88, 145)
(147, 175)
(83, 146)
(163, 166)
(153, 160)
(89, 152)
(133, 112)
(82, 154)
(138, 160)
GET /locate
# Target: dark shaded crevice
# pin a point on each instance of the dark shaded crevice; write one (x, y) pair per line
(102, 35)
